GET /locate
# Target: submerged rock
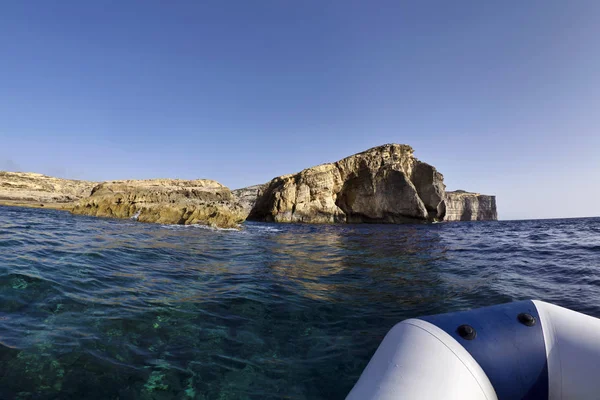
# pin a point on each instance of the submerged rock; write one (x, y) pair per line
(165, 201)
(466, 206)
(385, 184)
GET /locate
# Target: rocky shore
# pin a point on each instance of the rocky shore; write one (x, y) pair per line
(385, 184)
(37, 190)
(164, 201)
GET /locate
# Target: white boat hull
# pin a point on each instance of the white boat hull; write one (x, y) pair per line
(526, 350)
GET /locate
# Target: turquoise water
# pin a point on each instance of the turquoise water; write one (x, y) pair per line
(114, 309)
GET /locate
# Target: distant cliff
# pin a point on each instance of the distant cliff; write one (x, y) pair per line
(465, 206)
(384, 184)
(246, 197)
(37, 190)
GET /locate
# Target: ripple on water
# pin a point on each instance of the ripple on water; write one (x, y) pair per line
(101, 308)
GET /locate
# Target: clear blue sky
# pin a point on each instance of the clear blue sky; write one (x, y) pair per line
(502, 97)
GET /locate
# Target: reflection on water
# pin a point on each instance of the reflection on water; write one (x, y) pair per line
(95, 308)
(309, 261)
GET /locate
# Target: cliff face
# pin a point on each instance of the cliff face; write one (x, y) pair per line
(246, 197)
(385, 184)
(465, 206)
(166, 201)
(30, 189)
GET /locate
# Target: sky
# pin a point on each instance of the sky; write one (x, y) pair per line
(502, 97)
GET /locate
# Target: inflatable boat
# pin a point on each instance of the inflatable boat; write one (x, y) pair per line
(527, 350)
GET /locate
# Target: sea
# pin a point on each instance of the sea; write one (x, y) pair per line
(94, 308)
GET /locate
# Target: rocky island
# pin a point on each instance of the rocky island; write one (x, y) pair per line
(385, 184)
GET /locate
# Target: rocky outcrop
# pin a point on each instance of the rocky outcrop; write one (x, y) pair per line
(465, 206)
(37, 190)
(165, 201)
(385, 184)
(246, 197)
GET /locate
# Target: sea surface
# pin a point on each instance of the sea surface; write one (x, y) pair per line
(115, 309)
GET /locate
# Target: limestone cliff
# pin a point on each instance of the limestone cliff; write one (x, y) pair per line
(246, 197)
(167, 201)
(385, 184)
(37, 190)
(465, 206)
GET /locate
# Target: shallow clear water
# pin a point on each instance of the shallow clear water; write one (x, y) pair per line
(99, 308)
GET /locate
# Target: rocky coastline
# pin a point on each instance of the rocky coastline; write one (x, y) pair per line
(385, 184)
(27, 189)
(164, 201)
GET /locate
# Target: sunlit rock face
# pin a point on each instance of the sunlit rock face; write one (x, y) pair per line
(385, 184)
(465, 206)
(25, 188)
(165, 201)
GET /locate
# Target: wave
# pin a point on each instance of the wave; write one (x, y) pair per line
(199, 226)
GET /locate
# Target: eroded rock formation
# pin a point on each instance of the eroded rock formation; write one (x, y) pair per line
(384, 184)
(465, 206)
(37, 190)
(166, 201)
(246, 197)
